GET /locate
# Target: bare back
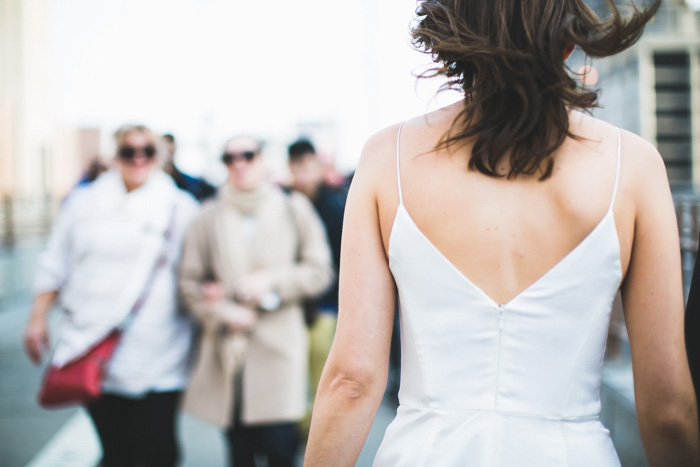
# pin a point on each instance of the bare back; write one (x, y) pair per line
(505, 234)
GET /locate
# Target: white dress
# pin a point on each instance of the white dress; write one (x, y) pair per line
(514, 384)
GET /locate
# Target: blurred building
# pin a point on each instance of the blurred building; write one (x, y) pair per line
(653, 88)
(39, 161)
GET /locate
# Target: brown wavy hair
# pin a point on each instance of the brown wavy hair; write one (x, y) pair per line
(507, 58)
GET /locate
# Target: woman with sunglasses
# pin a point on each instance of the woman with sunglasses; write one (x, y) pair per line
(507, 222)
(104, 246)
(249, 260)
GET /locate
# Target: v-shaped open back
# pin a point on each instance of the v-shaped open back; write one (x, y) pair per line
(484, 383)
(600, 229)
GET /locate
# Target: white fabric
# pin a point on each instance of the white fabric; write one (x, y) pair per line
(250, 227)
(488, 384)
(100, 253)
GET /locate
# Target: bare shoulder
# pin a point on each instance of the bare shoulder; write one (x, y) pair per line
(379, 151)
(377, 162)
(641, 156)
(636, 150)
(417, 135)
(641, 163)
(643, 170)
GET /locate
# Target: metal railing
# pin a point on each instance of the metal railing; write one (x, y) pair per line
(688, 216)
(687, 206)
(25, 222)
(26, 218)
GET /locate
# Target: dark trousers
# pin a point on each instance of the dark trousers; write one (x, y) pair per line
(277, 442)
(137, 432)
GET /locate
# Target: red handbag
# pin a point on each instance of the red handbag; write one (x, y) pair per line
(80, 380)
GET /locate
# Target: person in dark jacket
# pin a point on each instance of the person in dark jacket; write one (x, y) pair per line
(692, 329)
(197, 187)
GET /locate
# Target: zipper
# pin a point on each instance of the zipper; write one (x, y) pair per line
(498, 354)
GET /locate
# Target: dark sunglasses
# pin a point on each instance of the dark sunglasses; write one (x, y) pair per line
(230, 157)
(128, 153)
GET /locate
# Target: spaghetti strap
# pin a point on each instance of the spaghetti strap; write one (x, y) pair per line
(398, 171)
(617, 170)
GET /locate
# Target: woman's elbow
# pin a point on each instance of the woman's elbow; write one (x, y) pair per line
(350, 387)
(353, 386)
(674, 420)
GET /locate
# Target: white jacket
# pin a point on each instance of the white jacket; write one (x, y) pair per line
(100, 253)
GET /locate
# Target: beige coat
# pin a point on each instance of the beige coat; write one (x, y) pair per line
(291, 249)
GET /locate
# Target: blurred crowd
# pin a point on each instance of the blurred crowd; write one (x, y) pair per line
(238, 321)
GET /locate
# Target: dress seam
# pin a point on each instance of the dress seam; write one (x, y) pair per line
(573, 418)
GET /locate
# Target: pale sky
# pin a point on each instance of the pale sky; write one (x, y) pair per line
(206, 70)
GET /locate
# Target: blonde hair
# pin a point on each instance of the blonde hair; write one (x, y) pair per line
(125, 130)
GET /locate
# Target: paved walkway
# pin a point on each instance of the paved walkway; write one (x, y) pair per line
(75, 444)
(17, 268)
(31, 436)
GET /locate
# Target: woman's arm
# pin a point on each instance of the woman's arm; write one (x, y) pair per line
(653, 303)
(36, 336)
(354, 377)
(195, 271)
(53, 270)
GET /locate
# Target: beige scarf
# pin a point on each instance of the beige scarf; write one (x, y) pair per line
(275, 230)
(246, 202)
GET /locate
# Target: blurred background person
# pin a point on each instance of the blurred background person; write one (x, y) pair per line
(198, 187)
(692, 329)
(96, 168)
(249, 260)
(309, 178)
(102, 249)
